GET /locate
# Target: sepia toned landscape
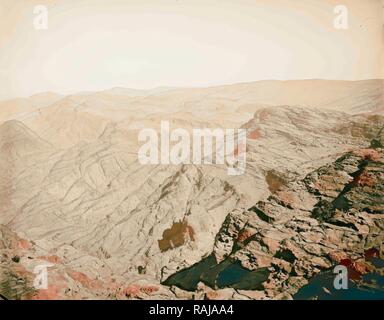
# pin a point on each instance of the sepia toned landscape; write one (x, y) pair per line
(75, 198)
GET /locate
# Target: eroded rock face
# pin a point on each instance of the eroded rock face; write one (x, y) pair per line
(116, 229)
(332, 216)
(20, 257)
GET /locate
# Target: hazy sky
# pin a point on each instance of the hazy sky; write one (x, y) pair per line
(94, 44)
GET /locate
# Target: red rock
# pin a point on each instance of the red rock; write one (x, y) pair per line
(346, 262)
(84, 280)
(221, 294)
(371, 253)
(263, 115)
(51, 293)
(132, 291)
(368, 154)
(52, 259)
(244, 235)
(356, 268)
(211, 295)
(135, 290)
(364, 179)
(255, 134)
(24, 244)
(362, 267)
(353, 274)
(149, 289)
(338, 256)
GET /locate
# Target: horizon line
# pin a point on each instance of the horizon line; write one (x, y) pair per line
(79, 92)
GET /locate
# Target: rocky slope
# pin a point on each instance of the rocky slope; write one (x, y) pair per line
(19, 258)
(73, 189)
(271, 250)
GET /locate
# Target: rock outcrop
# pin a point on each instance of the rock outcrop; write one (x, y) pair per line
(334, 214)
(72, 190)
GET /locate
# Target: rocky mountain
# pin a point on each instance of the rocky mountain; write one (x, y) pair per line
(68, 120)
(272, 249)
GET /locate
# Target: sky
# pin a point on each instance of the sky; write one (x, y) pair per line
(142, 44)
